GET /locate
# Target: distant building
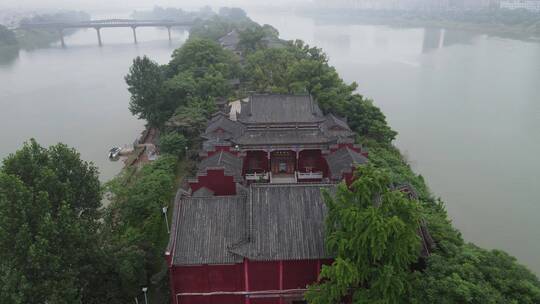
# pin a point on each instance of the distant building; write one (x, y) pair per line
(250, 226)
(530, 5)
(405, 4)
(230, 41)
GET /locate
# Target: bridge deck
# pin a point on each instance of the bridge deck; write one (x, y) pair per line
(106, 23)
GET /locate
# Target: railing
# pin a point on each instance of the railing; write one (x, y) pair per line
(291, 178)
(309, 175)
(257, 176)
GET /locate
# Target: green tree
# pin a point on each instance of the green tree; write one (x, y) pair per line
(266, 71)
(190, 120)
(173, 143)
(474, 275)
(251, 39)
(372, 233)
(367, 120)
(199, 55)
(134, 231)
(145, 81)
(48, 226)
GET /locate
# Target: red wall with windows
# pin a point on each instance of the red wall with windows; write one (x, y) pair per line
(217, 181)
(262, 276)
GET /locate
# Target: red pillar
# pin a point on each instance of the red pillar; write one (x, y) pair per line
(246, 281)
(318, 269)
(269, 156)
(280, 280)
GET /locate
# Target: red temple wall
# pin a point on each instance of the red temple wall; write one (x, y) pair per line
(217, 181)
(258, 157)
(314, 159)
(206, 278)
(262, 276)
(298, 274)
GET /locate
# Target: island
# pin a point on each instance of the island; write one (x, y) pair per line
(271, 180)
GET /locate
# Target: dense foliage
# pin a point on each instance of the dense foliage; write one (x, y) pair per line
(134, 232)
(372, 233)
(475, 275)
(173, 143)
(144, 81)
(49, 200)
(198, 73)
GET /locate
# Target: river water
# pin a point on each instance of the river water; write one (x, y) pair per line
(77, 95)
(466, 106)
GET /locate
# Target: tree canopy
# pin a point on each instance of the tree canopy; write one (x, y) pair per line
(145, 81)
(474, 275)
(372, 233)
(49, 200)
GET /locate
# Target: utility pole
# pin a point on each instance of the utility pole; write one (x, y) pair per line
(164, 209)
(144, 289)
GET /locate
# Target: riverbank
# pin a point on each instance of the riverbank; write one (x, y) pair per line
(501, 23)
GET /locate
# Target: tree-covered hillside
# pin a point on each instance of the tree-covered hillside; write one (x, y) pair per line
(456, 272)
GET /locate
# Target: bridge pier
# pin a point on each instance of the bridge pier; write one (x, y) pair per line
(134, 34)
(99, 36)
(61, 34)
(169, 31)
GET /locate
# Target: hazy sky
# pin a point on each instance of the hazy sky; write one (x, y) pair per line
(100, 5)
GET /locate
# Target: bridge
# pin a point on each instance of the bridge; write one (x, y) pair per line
(99, 24)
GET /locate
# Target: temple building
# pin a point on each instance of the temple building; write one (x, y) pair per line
(249, 228)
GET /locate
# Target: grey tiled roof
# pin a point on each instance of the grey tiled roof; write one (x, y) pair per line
(230, 41)
(207, 226)
(275, 108)
(286, 222)
(231, 128)
(273, 222)
(231, 164)
(202, 192)
(331, 121)
(282, 137)
(342, 161)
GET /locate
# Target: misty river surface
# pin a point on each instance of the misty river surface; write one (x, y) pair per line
(77, 95)
(466, 106)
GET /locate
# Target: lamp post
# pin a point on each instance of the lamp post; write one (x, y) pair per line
(164, 209)
(144, 289)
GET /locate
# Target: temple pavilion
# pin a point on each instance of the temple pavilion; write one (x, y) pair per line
(249, 227)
